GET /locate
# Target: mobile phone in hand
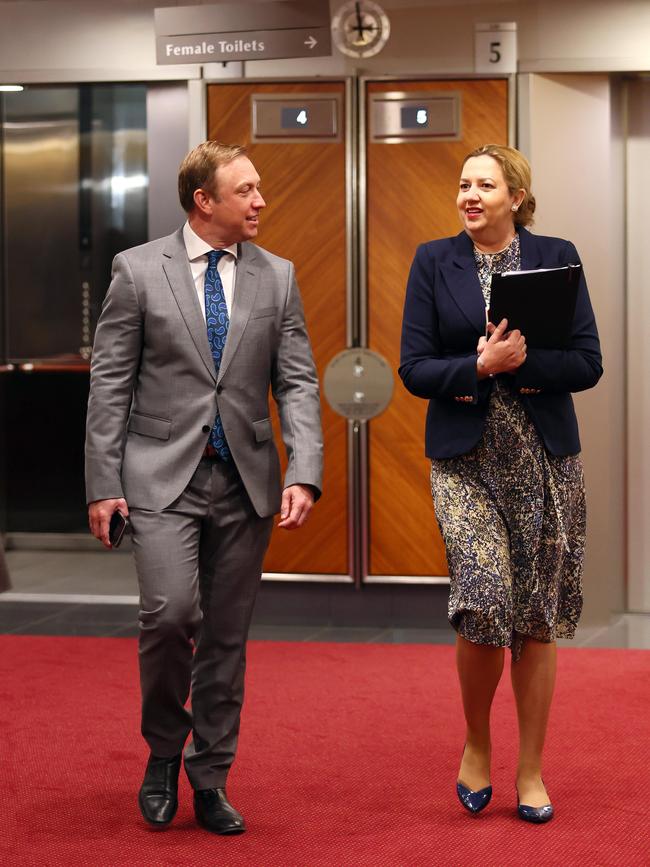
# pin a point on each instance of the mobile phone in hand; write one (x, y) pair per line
(119, 525)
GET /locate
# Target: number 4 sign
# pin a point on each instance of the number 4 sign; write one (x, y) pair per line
(495, 47)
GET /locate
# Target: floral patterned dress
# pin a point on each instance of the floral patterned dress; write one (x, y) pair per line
(513, 520)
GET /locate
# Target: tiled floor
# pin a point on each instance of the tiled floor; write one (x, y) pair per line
(95, 593)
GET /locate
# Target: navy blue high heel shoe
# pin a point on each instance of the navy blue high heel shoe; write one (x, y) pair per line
(471, 800)
(538, 815)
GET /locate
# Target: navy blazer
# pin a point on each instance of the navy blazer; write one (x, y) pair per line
(444, 316)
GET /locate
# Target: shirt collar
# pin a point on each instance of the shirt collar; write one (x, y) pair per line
(197, 247)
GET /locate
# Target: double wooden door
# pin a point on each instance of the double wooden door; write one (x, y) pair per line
(408, 198)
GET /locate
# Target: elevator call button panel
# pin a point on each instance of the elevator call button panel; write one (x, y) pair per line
(308, 117)
(398, 116)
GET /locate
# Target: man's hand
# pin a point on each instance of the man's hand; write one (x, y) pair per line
(297, 501)
(502, 352)
(99, 517)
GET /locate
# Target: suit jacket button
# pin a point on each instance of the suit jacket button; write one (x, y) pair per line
(206, 428)
(219, 389)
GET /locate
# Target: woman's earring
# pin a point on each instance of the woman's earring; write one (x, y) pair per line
(514, 208)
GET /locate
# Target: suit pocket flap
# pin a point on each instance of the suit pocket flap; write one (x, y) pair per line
(150, 426)
(264, 311)
(263, 430)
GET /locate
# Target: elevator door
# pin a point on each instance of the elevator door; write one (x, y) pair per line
(411, 194)
(304, 185)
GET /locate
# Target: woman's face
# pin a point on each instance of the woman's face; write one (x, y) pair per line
(484, 201)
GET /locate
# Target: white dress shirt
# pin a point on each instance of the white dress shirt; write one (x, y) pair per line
(197, 253)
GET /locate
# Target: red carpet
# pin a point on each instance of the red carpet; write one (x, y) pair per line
(348, 757)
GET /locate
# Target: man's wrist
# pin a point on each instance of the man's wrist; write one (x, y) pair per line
(307, 487)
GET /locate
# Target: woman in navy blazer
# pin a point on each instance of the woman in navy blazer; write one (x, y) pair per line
(506, 475)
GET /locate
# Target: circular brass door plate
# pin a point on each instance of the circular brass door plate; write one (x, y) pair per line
(358, 384)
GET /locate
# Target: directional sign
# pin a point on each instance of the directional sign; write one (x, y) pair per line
(247, 30)
(243, 45)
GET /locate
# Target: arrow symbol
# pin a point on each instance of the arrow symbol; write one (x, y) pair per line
(311, 42)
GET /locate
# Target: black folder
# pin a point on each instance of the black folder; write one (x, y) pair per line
(541, 304)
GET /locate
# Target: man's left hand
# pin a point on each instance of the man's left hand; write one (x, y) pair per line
(297, 502)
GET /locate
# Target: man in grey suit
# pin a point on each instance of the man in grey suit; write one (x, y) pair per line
(180, 439)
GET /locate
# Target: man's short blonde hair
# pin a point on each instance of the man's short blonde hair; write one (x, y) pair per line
(198, 170)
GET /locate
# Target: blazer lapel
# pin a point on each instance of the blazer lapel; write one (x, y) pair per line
(463, 283)
(177, 270)
(531, 254)
(245, 290)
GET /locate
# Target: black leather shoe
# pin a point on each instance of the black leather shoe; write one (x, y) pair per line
(214, 812)
(158, 796)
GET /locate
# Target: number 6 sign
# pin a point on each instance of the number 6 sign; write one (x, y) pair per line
(495, 47)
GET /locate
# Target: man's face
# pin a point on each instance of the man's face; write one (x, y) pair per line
(235, 214)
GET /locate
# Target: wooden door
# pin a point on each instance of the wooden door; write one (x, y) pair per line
(305, 221)
(411, 195)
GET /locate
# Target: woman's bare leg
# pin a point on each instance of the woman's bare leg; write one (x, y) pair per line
(479, 670)
(533, 681)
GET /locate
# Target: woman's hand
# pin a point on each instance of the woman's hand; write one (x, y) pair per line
(502, 352)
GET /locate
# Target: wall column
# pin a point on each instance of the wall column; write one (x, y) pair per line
(638, 350)
(570, 129)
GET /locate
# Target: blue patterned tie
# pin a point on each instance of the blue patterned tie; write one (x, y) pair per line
(216, 315)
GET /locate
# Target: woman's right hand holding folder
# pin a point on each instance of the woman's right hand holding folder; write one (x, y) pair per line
(500, 351)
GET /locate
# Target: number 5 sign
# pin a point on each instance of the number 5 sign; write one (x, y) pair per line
(495, 47)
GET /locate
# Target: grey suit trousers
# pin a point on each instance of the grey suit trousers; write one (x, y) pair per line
(199, 564)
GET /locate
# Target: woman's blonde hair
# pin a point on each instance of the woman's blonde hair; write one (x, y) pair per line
(516, 171)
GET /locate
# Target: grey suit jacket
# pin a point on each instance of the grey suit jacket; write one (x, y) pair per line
(154, 392)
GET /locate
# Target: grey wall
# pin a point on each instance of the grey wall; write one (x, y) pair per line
(572, 138)
(167, 144)
(638, 343)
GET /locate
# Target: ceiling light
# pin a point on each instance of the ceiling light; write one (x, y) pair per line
(11, 88)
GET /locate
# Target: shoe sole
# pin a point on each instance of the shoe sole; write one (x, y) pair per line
(534, 821)
(230, 832)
